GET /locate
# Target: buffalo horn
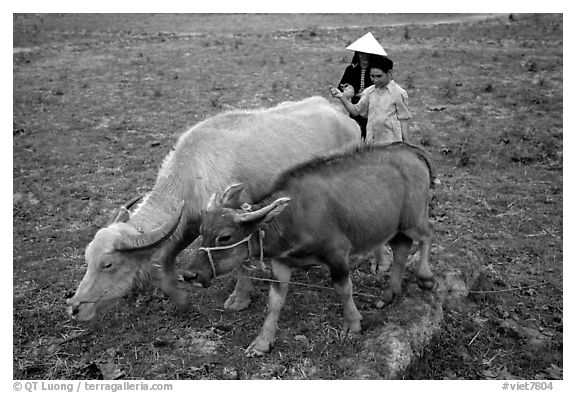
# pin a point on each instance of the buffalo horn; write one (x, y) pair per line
(267, 212)
(150, 239)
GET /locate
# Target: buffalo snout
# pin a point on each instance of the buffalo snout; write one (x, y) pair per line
(196, 277)
(190, 276)
(80, 311)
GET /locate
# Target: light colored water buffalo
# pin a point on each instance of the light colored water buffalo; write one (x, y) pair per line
(320, 212)
(252, 147)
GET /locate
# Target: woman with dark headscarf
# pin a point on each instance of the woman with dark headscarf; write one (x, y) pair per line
(356, 76)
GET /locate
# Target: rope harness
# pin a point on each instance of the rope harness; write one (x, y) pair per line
(208, 250)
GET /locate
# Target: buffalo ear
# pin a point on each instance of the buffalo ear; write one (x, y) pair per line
(122, 214)
(234, 196)
(265, 214)
(118, 215)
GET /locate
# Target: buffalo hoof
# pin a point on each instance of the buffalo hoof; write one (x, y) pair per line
(381, 262)
(387, 297)
(237, 302)
(182, 304)
(170, 289)
(257, 349)
(379, 268)
(380, 304)
(179, 297)
(427, 283)
(352, 328)
(183, 307)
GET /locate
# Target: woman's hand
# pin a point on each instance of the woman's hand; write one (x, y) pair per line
(335, 92)
(348, 90)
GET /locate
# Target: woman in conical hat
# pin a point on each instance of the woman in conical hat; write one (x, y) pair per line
(356, 76)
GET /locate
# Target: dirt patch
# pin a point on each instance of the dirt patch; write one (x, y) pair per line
(99, 102)
(391, 348)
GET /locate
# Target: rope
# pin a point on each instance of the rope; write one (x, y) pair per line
(376, 297)
(511, 289)
(261, 234)
(305, 285)
(208, 250)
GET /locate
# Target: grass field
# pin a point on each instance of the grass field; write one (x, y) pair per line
(99, 100)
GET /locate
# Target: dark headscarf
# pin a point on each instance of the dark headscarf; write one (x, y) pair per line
(381, 62)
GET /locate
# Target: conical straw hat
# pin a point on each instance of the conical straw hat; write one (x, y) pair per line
(367, 44)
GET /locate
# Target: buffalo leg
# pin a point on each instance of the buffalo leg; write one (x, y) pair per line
(382, 260)
(401, 245)
(169, 280)
(276, 299)
(240, 298)
(340, 274)
(352, 317)
(422, 269)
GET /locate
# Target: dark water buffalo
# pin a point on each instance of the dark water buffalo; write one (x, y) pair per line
(320, 212)
(250, 147)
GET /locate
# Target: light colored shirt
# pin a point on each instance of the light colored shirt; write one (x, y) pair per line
(384, 109)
